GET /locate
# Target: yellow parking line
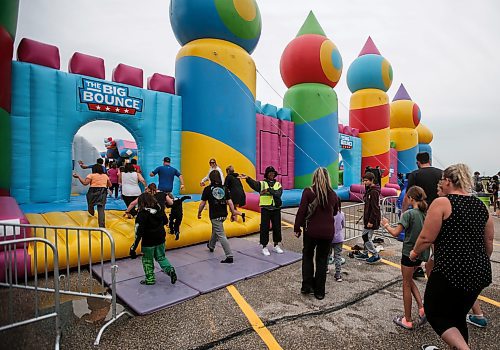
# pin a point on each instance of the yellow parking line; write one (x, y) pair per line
(489, 301)
(254, 320)
(390, 263)
(284, 223)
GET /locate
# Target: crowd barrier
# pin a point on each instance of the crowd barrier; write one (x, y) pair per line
(12, 280)
(70, 244)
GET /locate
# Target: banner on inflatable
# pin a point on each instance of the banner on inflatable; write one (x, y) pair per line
(102, 96)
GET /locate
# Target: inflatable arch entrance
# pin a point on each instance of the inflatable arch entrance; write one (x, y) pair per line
(50, 106)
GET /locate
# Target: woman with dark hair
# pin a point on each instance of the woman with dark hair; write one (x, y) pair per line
(462, 231)
(130, 187)
(213, 166)
(318, 206)
(217, 196)
(97, 193)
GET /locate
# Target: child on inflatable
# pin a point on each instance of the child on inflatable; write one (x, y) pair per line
(176, 214)
(149, 228)
(412, 222)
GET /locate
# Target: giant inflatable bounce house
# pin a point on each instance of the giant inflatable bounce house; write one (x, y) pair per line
(208, 110)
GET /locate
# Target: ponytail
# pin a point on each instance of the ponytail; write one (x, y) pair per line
(418, 195)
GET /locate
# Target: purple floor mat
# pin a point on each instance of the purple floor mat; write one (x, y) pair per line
(127, 269)
(206, 276)
(146, 299)
(198, 271)
(286, 258)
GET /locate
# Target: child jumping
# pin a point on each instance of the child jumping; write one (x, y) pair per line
(149, 227)
(176, 214)
(411, 222)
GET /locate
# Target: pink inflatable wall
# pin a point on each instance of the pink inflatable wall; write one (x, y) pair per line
(275, 147)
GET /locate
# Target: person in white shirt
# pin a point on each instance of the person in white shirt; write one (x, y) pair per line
(213, 166)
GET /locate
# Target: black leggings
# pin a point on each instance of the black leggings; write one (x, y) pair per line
(445, 306)
(267, 217)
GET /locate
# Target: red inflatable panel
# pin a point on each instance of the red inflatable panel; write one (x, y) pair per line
(128, 75)
(33, 51)
(6, 52)
(83, 64)
(163, 83)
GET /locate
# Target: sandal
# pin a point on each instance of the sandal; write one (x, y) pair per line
(401, 321)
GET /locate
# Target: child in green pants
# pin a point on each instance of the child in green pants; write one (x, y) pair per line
(149, 227)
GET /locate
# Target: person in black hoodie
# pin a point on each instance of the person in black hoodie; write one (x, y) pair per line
(371, 218)
(176, 214)
(235, 188)
(149, 227)
(270, 204)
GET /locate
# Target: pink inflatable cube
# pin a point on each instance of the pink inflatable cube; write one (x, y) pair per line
(83, 64)
(128, 75)
(163, 83)
(33, 51)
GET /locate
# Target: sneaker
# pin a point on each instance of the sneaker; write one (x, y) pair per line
(265, 251)
(228, 260)
(373, 259)
(327, 270)
(338, 277)
(342, 261)
(429, 347)
(419, 272)
(277, 249)
(361, 256)
(210, 249)
(147, 283)
(478, 321)
(330, 260)
(177, 235)
(173, 276)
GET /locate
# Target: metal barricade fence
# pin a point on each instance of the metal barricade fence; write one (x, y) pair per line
(9, 278)
(76, 247)
(389, 208)
(353, 214)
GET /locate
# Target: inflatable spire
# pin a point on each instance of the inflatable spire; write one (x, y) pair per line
(405, 117)
(8, 24)
(311, 66)
(368, 78)
(216, 78)
(425, 137)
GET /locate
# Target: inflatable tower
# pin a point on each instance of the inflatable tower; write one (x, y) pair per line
(8, 25)
(216, 78)
(425, 137)
(405, 117)
(368, 78)
(311, 66)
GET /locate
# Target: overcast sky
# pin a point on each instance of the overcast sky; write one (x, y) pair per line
(445, 52)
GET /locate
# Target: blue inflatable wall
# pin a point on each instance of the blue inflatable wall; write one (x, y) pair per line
(50, 106)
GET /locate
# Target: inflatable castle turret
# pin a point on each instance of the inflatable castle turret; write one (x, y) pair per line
(311, 66)
(405, 117)
(216, 78)
(425, 137)
(368, 78)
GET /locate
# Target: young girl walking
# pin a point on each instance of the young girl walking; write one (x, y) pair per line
(149, 227)
(411, 222)
(337, 241)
